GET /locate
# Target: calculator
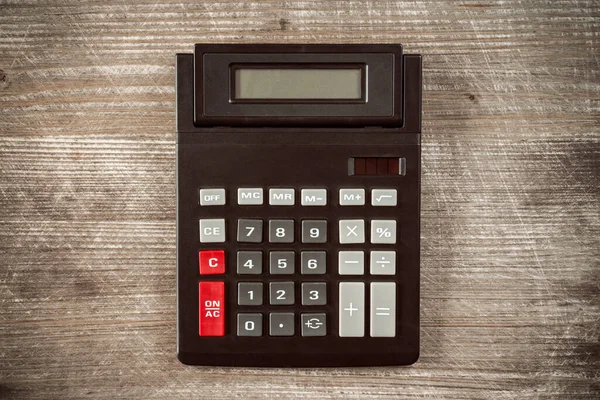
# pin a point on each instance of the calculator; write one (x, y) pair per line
(298, 205)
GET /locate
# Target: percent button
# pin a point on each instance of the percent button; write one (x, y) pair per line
(383, 231)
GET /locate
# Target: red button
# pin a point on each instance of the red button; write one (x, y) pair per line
(211, 262)
(211, 297)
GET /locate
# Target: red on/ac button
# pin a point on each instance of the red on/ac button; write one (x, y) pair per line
(211, 262)
(211, 296)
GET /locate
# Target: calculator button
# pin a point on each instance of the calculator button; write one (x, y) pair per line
(250, 231)
(281, 293)
(352, 197)
(352, 231)
(314, 293)
(351, 309)
(212, 230)
(351, 262)
(313, 262)
(314, 324)
(314, 197)
(384, 197)
(250, 196)
(383, 309)
(212, 197)
(281, 324)
(281, 231)
(281, 262)
(383, 262)
(250, 293)
(249, 324)
(281, 197)
(249, 262)
(314, 231)
(383, 231)
(211, 299)
(211, 262)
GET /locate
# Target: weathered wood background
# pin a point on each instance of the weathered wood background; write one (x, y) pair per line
(511, 197)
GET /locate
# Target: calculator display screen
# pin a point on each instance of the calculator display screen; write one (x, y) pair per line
(297, 83)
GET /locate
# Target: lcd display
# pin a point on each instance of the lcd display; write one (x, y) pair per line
(297, 83)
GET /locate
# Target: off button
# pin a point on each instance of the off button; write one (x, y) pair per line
(212, 197)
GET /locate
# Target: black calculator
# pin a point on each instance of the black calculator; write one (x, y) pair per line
(298, 205)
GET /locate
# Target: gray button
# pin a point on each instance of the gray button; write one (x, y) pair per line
(352, 312)
(314, 231)
(383, 231)
(281, 293)
(314, 324)
(281, 324)
(250, 230)
(314, 293)
(249, 262)
(383, 309)
(212, 230)
(313, 262)
(352, 197)
(314, 197)
(351, 262)
(352, 231)
(281, 197)
(250, 196)
(281, 231)
(249, 324)
(281, 262)
(383, 262)
(250, 293)
(212, 197)
(384, 197)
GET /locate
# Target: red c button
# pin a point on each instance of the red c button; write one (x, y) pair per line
(212, 262)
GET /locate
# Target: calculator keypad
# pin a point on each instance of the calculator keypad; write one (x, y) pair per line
(286, 278)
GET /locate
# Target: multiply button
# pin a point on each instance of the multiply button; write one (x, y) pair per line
(352, 231)
(212, 197)
(211, 297)
(352, 309)
(211, 262)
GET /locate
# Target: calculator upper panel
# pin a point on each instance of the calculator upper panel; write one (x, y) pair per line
(327, 100)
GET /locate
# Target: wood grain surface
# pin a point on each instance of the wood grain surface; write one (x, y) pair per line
(511, 196)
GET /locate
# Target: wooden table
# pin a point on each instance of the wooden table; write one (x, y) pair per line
(511, 198)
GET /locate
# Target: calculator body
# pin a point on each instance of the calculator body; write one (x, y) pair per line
(289, 214)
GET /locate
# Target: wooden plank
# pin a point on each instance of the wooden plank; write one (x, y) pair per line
(511, 201)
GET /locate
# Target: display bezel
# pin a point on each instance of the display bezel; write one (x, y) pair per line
(383, 106)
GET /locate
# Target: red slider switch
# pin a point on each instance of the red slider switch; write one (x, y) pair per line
(211, 262)
(211, 308)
